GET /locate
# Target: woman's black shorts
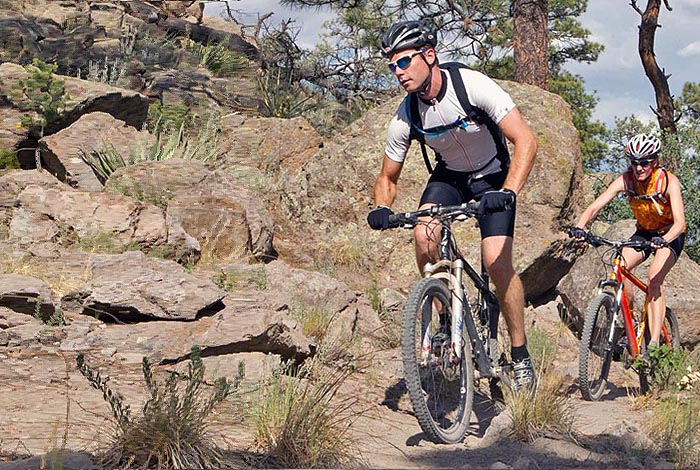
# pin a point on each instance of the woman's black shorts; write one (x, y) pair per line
(676, 245)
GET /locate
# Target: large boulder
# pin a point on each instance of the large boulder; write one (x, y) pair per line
(682, 285)
(131, 287)
(64, 152)
(229, 220)
(322, 205)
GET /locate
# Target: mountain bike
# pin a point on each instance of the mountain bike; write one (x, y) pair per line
(611, 329)
(449, 330)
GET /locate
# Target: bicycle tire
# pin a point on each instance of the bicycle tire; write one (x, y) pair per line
(595, 352)
(673, 340)
(442, 397)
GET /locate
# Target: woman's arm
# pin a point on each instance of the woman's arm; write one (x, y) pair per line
(615, 188)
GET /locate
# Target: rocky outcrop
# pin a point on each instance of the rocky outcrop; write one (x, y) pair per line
(96, 221)
(130, 287)
(64, 153)
(85, 97)
(229, 220)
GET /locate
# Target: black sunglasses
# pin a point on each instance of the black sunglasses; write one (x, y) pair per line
(404, 61)
(643, 163)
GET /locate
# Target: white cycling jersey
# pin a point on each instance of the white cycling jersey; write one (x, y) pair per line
(462, 149)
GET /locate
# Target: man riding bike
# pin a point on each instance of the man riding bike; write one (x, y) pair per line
(472, 162)
(657, 204)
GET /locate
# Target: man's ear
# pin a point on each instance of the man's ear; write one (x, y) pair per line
(431, 56)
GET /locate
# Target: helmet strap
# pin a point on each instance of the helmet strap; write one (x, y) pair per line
(426, 83)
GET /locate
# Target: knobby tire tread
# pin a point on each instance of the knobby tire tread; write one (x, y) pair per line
(437, 434)
(602, 304)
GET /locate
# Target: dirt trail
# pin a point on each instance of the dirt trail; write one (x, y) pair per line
(607, 433)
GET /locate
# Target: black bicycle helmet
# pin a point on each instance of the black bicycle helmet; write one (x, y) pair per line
(411, 34)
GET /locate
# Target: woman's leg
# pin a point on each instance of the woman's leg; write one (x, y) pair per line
(664, 260)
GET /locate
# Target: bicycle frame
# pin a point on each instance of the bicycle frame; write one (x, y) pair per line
(453, 272)
(618, 274)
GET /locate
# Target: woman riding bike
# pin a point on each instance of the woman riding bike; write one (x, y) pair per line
(657, 204)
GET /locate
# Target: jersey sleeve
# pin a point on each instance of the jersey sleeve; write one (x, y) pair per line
(488, 95)
(398, 138)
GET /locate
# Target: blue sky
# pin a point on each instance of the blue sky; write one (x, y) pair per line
(617, 77)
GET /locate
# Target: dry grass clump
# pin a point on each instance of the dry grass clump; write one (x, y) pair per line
(171, 431)
(675, 425)
(314, 321)
(547, 409)
(302, 420)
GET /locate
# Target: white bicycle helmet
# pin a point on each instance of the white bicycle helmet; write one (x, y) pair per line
(411, 34)
(642, 145)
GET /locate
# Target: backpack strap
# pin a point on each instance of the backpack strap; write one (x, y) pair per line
(478, 115)
(661, 184)
(414, 116)
(472, 112)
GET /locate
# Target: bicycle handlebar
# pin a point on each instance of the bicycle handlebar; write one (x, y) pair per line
(410, 219)
(597, 241)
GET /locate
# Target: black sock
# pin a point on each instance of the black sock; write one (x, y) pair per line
(518, 353)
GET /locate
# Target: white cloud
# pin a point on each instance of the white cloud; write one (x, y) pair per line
(691, 49)
(621, 105)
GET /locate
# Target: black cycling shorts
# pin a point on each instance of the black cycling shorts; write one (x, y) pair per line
(676, 245)
(447, 187)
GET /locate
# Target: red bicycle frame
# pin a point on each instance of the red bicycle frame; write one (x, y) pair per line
(618, 274)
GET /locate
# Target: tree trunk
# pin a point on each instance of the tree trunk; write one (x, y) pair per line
(530, 42)
(657, 77)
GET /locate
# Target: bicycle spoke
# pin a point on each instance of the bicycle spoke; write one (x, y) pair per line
(441, 391)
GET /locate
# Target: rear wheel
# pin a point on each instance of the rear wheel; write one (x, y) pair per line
(670, 335)
(595, 350)
(440, 385)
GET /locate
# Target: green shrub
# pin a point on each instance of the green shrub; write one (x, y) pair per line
(8, 159)
(42, 94)
(171, 431)
(217, 57)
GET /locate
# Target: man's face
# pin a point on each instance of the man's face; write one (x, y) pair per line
(410, 67)
(643, 167)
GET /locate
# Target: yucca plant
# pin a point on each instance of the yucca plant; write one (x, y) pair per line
(171, 431)
(280, 98)
(217, 57)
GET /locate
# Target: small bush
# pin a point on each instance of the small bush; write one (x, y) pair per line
(171, 431)
(217, 57)
(8, 159)
(314, 322)
(233, 279)
(546, 409)
(301, 420)
(666, 366)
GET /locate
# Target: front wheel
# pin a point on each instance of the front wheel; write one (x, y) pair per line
(440, 384)
(670, 336)
(595, 350)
